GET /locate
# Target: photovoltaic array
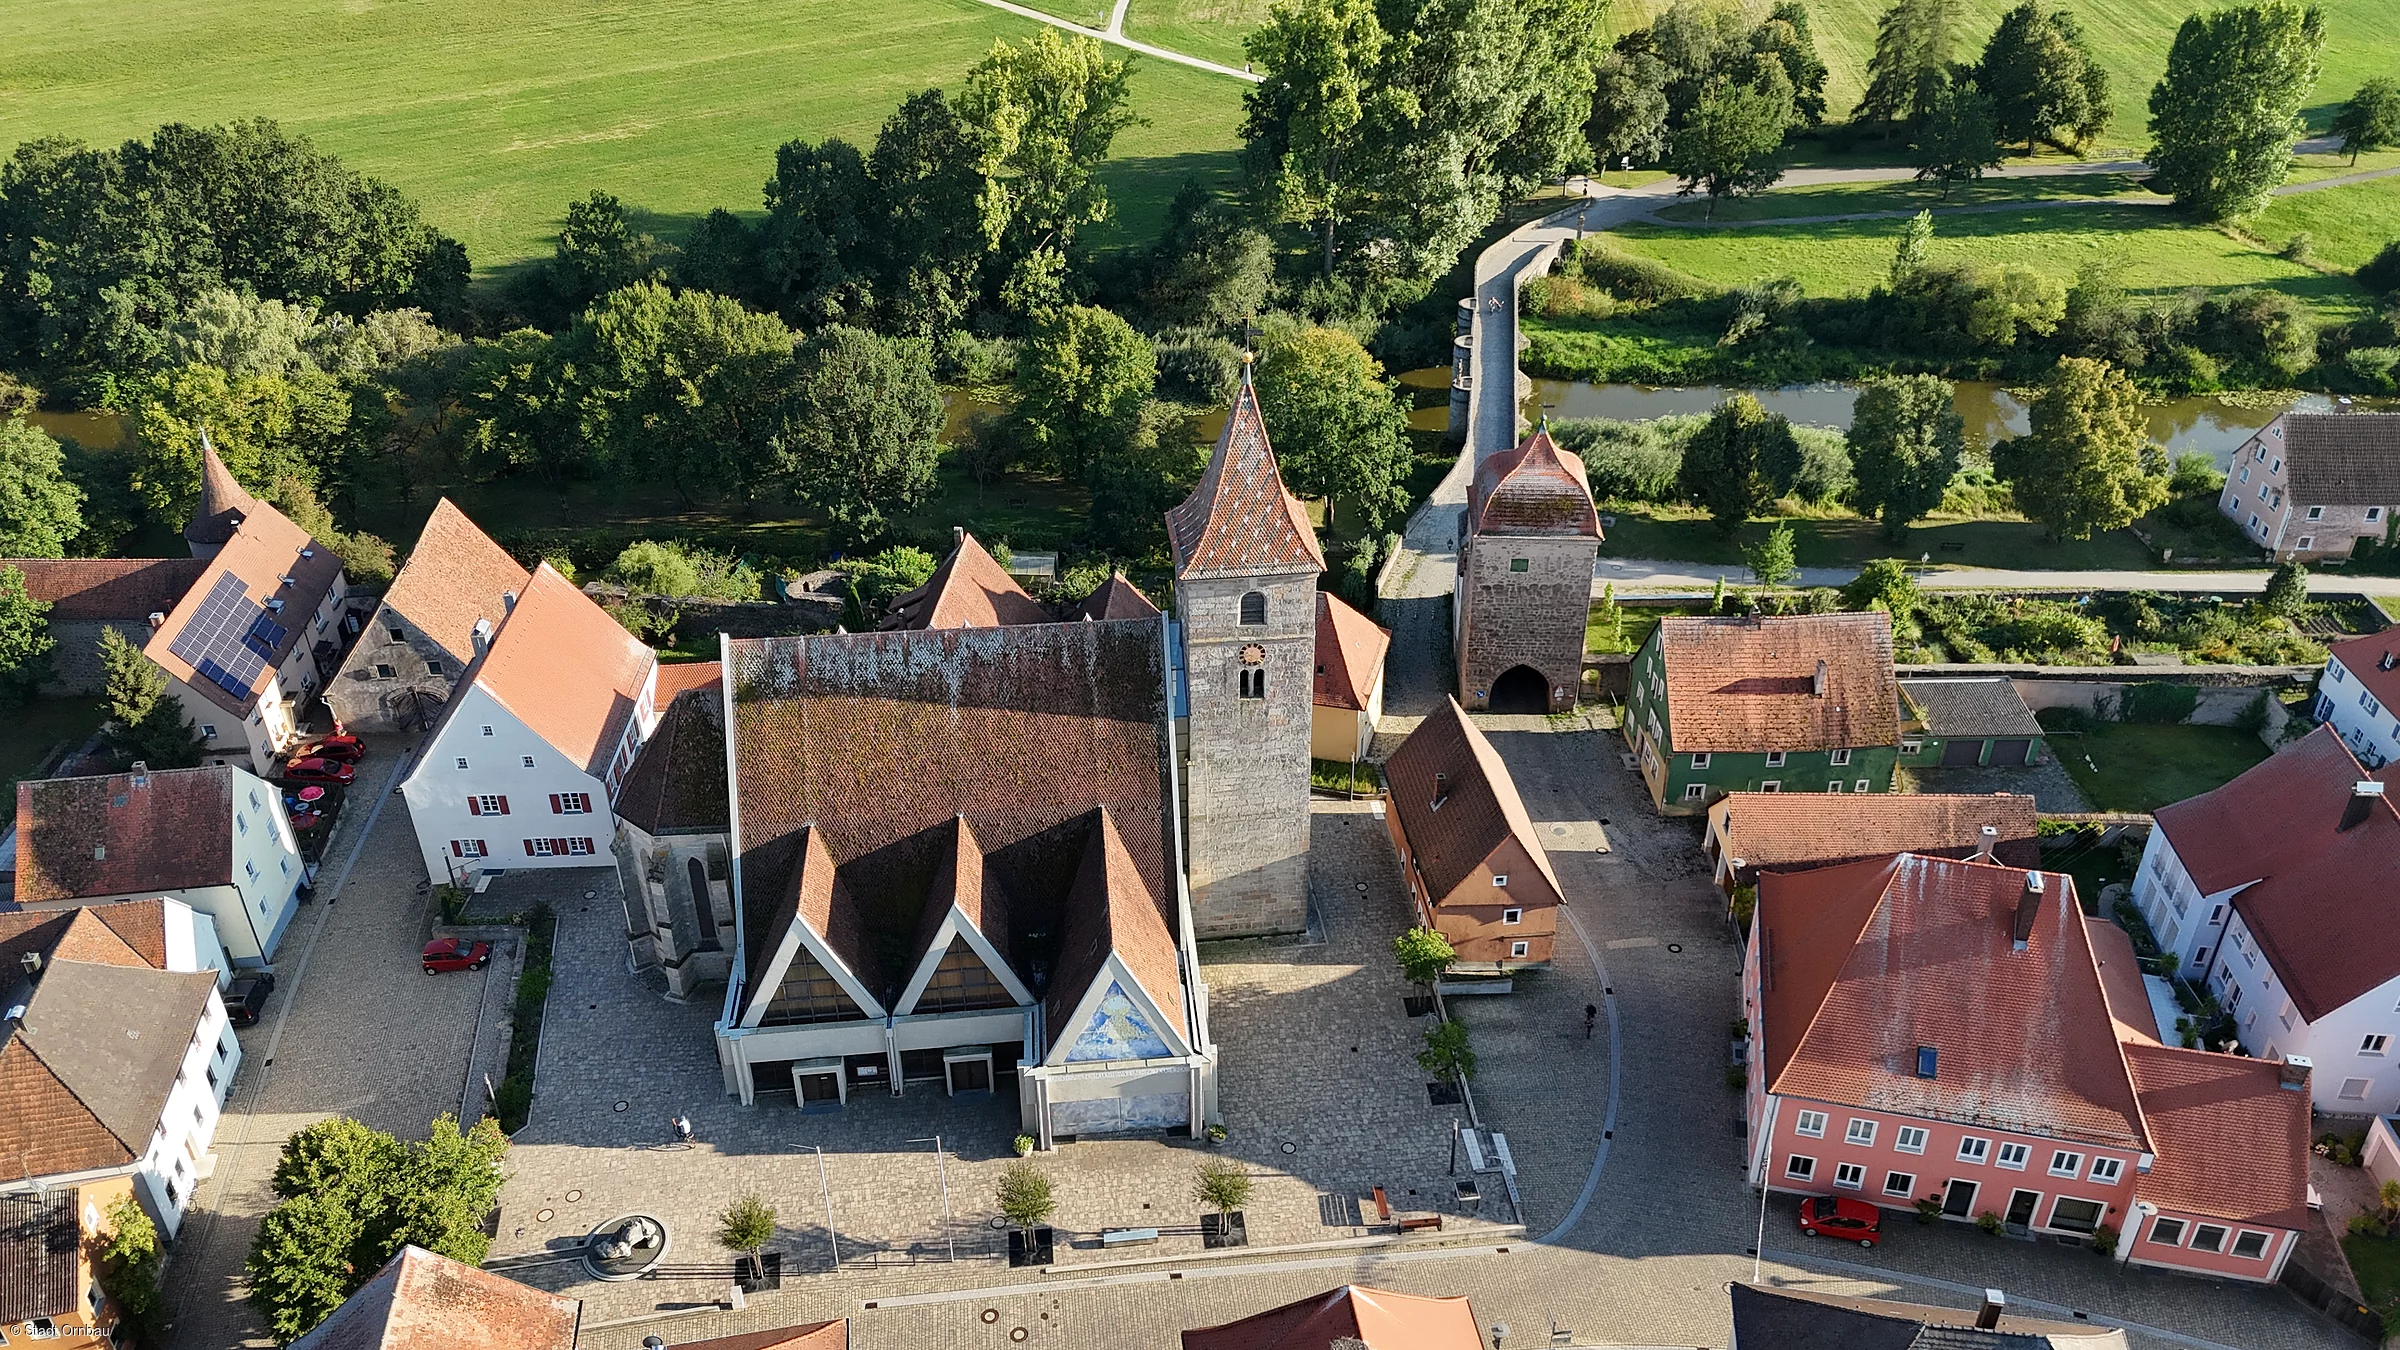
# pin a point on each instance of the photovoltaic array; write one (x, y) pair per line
(230, 638)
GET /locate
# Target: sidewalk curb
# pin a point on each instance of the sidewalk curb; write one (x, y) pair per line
(1395, 1241)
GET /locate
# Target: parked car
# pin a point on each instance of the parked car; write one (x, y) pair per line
(246, 998)
(456, 954)
(348, 749)
(1837, 1217)
(319, 770)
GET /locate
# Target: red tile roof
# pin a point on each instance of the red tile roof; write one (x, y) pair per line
(2121, 982)
(45, 1129)
(1534, 488)
(566, 669)
(2232, 1141)
(1240, 519)
(677, 782)
(1110, 907)
(1789, 831)
(1350, 652)
(90, 589)
(1867, 962)
(963, 878)
(2325, 899)
(678, 677)
(265, 548)
(1378, 1319)
(110, 1039)
(421, 1301)
(1117, 598)
(453, 577)
(2363, 657)
(969, 590)
(1749, 684)
(1457, 803)
(834, 1335)
(75, 839)
(83, 934)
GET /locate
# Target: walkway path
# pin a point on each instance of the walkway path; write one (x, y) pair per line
(1114, 34)
(1653, 575)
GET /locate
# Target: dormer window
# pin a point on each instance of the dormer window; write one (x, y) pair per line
(1254, 607)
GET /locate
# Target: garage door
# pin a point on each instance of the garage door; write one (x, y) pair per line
(2011, 751)
(1963, 751)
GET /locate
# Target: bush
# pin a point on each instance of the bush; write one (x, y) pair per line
(1566, 297)
(960, 357)
(1197, 366)
(1988, 1221)
(1025, 1195)
(1446, 1054)
(129, 1272)
(1628, 276)
(1221, 1184)
(1629, 461)
(2372, 368)
(1824, 478)
(2382, 273)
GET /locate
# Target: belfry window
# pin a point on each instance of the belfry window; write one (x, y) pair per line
(1254, 607)
(1254, 682)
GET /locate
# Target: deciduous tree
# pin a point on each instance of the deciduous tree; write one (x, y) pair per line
(599, 250)
(1740, 461)
(1730, 144)
(1905, 438)
(2042, 78)
(861, 440)
(1957, 143)
(2088, 463)
(1081, 381)
(2370, 118)
(41, 510)
(1041, 114)
(25, 641)
(1339, 429)
(1772, 560)
(813, 249)
(2226, 114)
(1304, 124)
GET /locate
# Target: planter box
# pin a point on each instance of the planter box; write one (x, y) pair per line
(1224, 1230)
(768, 1274)
(1038, 1249)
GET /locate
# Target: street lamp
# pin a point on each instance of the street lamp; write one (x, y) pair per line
(1499, 1330)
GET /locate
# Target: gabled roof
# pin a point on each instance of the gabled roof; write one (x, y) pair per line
(676, 678)
(264, 548)
(223, 503)
(41, 1250)
(969, 590)
(421, 1301)
(1111, 909)
(2232, 1139)
(1117, 598)
(2325, 899)
(1867, 962)
(1972, 708)
(1377, 1319)
(2363, 657)
(1533, 488)
(93, 934)
(834, 1335)
(567, 670)
(1350, 652)
(2121, 983)
(1750, 684)
(79, 837)
(677, 782)
(2346, 459)
(821, 901)
(113, 1037)
(1456, 801)
(1240, 519)
(1771, 1318)
(1789, 831)
(45, 1129)
(129, 590)
(963, 879)
(455, 576)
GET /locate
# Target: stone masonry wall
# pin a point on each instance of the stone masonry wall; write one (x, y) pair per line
(364, 699)
(75, 662)
(1533, 618)
(1246, 775)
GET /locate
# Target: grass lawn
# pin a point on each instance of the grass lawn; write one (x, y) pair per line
(1845, 198)
(2163, 253)
(2124, 766)
(1635, 628)
(30, 733)
(2131, 38)
(493, 117)
(2376, 1263)
(2345, 225)
(1213, 29)
(1687, 534)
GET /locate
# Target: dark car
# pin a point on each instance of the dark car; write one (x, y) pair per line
(317, 769)
(348, 749)
(1835, 1217)
(456, 954)
(246, 998)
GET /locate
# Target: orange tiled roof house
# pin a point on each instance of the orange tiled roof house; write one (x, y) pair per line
(1955, 1033)
(1474, 864)
(457, 585)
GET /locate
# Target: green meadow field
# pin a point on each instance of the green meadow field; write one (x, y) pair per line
(494, 116)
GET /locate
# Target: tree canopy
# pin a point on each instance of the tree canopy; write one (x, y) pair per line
(2224, 117)
(2042, 78)
(1740, 462)
(1339, 429)
(1730, 143)
(862, 441)
(1082, 379)
(1957, 141)
(41, 510)
(25, 641)
(2370, 118)
(1911, 62)
(2088, 463)
(1905, 440)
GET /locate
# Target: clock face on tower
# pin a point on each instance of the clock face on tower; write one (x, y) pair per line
(1254, 655)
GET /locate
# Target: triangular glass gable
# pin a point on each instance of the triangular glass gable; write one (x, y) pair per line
(962, 982)
(1120, 1029)
(809, 993)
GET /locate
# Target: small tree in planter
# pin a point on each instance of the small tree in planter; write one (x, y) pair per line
(1446, 1054)
(1424, 955)
(747, 1226)
(1026, 1199)
(1225, 1187)
(2104, 1239)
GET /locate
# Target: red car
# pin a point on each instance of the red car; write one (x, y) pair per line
(348, 749)
(1834, 1217)
(318, 770)
(456, 954)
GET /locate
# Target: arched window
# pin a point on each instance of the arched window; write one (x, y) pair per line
(1254, 607)
(1254, 682)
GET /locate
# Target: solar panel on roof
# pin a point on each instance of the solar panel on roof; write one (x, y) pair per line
(215, 640)
(264, 635)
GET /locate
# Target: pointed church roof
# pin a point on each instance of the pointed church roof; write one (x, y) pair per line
(962, 878)
(1535, 488)
(1117, 598)
(1241, 520)
(1110, 909)
(223, 502)
(969, 590)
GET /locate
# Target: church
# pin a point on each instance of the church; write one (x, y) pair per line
(974, 851)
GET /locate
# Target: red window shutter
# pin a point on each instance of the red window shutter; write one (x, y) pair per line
(504, 806)
(587, 846)
(558, 847)
(556, 808)
(456, 851)
(528, 848)
(474, 806)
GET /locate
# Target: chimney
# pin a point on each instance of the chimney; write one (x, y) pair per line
(158, 620)
(1987, 837)
(1817, 686)
(2292, 1073)
(2029, 906)
(958, 536)
(508, 602)
(2363, 796)
(32, 961)
(141, 774)
(1987, 1317)
(2387, 662)
(483, 634)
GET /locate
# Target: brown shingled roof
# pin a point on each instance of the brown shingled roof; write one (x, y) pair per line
(1533, 488)
(223, 503)
(41, 1245)
(78, 934)
(963, 877)
(2121, 983)
(2232, 1141)
(2326, 899)
(677, 782)
(45, 1129)
(1788, 831)
(75, 839)
(834, 1335)
(1117, 598)
(421, 1301)
(680, 677)
(265, 547)
(82, 590)
(453, 577)
(1376, 1319)
(969, 590)
(2342, 459)
(113, 1037)
(1240, 519)
(1109, 908)
(1350, 652)
(567, 669)
(1869, 961)
(1749, 684)
(1456, 801)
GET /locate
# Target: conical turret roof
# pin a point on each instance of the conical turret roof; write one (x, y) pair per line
(1241, 520)
(1535, 488)
(223, 502)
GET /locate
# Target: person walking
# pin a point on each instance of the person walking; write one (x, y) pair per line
(1591, 1015)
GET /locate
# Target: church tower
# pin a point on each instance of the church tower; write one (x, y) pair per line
(1246, 565)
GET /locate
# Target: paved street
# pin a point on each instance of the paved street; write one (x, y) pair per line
(1650, 576)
